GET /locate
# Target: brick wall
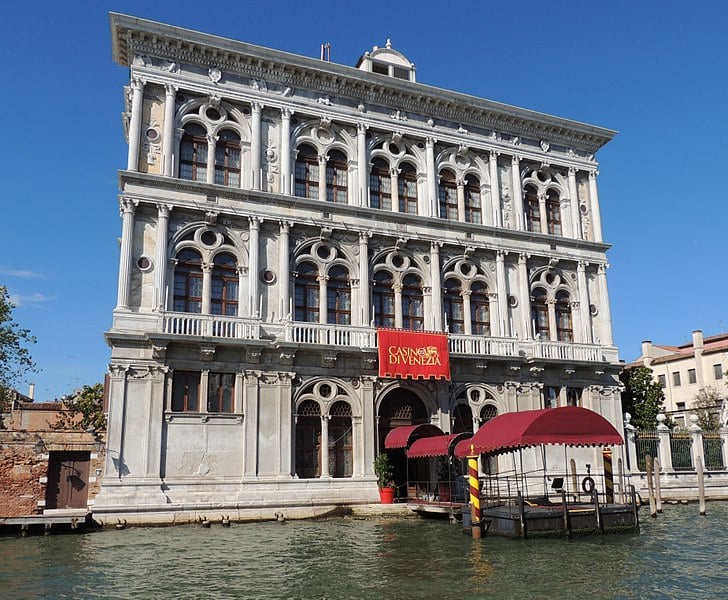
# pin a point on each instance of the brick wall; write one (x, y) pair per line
(24, 467)
(21, 470)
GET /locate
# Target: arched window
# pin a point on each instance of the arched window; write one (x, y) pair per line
(472, 200)
(564, 326)
(336, 178)
(407, 188)
(224, 285)
(479, 309)
(453, 304)
(193, 153)
(341, 459)
(553, 213)
(412, 304)
(188, 282)
(462, 419)
(227, 159)
(380, 185)
(338, 297)
(448, 192)
(307, 293)
(540, 314)
(487, 413)
(533, 212)
(306, 184)
(308, 440)
(383, 299)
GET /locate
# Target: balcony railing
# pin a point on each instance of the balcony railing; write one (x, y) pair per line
(224, 327)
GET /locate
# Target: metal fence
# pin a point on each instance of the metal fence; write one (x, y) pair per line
(713, 451)
(681, 449)
(647, 444)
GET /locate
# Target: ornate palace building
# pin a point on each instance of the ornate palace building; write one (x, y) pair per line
(277, 212)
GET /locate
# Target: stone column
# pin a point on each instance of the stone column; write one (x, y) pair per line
(285, 158)
(394, 184)
(170, 91)
(206, 287)
(364, 300)
(574, 204)
(432, 201)
(436, 279)
(724, 444)
(254, 257)
(128, 207)
(664, 452)
(586, 328)
(606, 317)
(494, 308)
(160, 258)
(468, 323)
(367, 449)
(251, 410)
(255, 145)
(397, 305)
(524, 299)
(551, 305)
(322, 178)
(696, 433)
(500, 277)
(284, 275)
(543, 213)
(116, 418)
(594, 201)
(517, 194)
(135, 123)
(361, 164)
(324, 446)
(323, 304)
(211, 144)
(495, 198)
(461, 199)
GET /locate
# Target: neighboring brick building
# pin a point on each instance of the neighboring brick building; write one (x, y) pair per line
(44, 471)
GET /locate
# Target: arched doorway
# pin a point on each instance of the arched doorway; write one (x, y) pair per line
(400, 408)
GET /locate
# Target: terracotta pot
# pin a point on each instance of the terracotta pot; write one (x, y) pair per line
(386, 495)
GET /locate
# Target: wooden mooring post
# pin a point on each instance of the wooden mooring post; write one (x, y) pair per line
(650, 487)
(658, 491)
(701, 484)
(474, 483)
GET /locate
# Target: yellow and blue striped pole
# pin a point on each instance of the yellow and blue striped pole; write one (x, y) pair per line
(608, 476)
(474, 493)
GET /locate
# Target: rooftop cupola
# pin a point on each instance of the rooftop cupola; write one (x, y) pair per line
(387, 61)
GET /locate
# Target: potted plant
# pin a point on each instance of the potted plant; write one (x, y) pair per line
(385, 478)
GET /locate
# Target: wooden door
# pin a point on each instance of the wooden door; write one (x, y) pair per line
(68, 480)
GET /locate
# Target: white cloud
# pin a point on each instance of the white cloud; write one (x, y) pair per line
(32, 300)
(20, 273)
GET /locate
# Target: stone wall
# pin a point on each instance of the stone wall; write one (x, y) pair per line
(22, 475)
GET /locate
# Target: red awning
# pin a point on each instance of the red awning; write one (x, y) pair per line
(568, 425)
(437, 445)
(402, 437)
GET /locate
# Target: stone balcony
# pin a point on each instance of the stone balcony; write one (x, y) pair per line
(218, 327)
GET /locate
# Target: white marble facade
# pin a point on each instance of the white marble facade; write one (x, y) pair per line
(275, 210)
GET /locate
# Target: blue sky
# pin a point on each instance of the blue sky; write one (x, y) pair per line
(655, 71)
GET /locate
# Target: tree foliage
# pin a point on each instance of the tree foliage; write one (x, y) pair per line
(15, 359)
(642, 397)
(706, 405)
(85, 409)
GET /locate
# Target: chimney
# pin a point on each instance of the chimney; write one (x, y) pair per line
(647, 353)
(698, 340)
(31, 391)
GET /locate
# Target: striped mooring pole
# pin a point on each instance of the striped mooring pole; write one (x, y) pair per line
(474, 494)
(608, 475)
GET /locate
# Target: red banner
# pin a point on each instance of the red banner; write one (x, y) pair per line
(413, 354)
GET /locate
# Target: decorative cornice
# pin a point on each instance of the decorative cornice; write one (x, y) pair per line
(133, 36)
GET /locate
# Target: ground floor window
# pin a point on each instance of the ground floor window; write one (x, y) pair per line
(220, 392)
(341, 457)
(308, 440)
(185, 391)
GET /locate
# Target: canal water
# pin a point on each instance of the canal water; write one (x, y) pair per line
(678, 555)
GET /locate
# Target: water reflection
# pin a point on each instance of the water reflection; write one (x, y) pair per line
(679, 555)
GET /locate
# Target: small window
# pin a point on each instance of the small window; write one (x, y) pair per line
(680, 405)
(691, 376)
(676, 378)
(381, 68)
(550, 397)
(718, 371)
(220, 392)
(662, 380)
(185, 391)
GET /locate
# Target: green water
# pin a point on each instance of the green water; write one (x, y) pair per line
(678, 555)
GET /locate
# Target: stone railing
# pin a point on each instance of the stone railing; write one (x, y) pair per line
(240, 328)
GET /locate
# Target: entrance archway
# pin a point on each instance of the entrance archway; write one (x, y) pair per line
(400, 408)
